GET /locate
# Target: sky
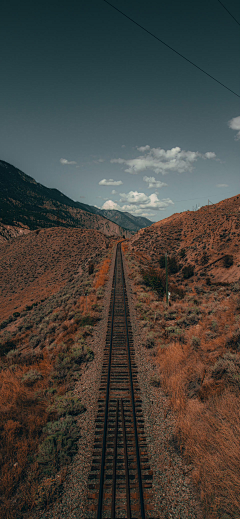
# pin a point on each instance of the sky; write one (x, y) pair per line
(94, 106)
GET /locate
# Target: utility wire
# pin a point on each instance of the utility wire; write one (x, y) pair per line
(171, 48)
(228, 12)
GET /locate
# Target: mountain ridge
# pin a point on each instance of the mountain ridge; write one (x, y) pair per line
(26, 203)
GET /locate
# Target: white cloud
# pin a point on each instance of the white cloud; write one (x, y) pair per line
(110, 182)
(67, 162)
(163, 161)
(109, 204)
(209, 155)
(142, 201)
(123, 146)
(144, 148)
(153, 183)
(222, 185)
(113, 192)
(234, 124)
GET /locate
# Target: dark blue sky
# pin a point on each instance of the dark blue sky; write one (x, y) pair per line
(81, 83)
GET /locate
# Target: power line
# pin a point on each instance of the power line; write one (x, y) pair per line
(228, 12)
(171, 48)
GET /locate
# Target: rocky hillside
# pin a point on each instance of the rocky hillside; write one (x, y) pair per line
(24, 203)
(124, 219)
(207, 240)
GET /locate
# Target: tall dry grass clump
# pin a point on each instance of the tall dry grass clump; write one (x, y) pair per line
(101, 276)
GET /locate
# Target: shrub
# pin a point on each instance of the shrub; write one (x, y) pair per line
(150, 343)
(204, 258)
(188, 271)
(59, 446)
(173, 266)
(152, 279)
(67, 404)
(182, 253)
(233, 341)
(155, 381)
(90, 268)
(162, 262)
(228, 261)
(195, 343)
(228, 368)
(31, 377)
(6, 345)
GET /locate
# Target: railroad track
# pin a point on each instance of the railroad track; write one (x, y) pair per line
(120, 479)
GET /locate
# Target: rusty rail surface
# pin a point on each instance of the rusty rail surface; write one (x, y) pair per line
(120, 479)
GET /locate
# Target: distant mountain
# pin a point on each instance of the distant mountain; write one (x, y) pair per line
(27, 204)
(124, 219)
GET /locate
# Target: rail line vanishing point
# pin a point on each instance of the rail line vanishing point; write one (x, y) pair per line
(120, 479)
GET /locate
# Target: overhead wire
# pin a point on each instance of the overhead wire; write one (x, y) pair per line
(169, 47)
(228, 12)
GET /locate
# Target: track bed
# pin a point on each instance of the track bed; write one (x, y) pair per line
(120, 479)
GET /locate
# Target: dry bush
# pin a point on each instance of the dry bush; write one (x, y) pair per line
(102, 274)
(22, 416)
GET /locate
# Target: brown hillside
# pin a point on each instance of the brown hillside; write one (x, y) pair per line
(37, 265)
(212, 232)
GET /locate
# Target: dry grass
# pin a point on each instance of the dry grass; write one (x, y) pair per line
(102, 275)
(41, 354)
(201, 376)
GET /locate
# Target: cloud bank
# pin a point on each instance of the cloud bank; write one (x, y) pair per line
(163, 161)
(234, 124)
(110, 182)
(138, 203)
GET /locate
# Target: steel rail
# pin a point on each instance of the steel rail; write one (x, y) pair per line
(100, 499)
(133, 401)
(114, 464)
(126, 462)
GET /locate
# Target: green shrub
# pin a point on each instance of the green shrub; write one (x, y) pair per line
(188, 271)
(228, 261)
(173, 266)
(204, 258)
(90, 268)
(162, 262)
(31, 377)
(233, 340)
(59, 446)
(67, 404)
(182, 253)
(152, 279)
(196, 342)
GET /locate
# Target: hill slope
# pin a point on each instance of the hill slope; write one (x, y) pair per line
(200, 238)
(124, 219)
(26, 203)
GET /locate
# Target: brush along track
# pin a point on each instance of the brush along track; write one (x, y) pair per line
(120, 479)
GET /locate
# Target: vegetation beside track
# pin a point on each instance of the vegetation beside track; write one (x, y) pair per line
(42, 351)
(195, 343)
